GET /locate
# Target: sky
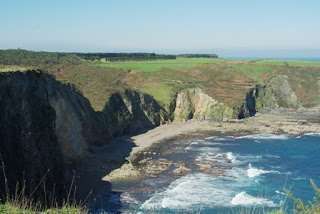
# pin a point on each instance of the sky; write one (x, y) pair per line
(226, 27)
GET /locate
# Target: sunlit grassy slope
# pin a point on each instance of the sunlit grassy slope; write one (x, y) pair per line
(289, 63)
(151, 66)
(226, 80)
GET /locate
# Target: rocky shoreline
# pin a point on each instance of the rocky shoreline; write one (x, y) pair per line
(290, 123)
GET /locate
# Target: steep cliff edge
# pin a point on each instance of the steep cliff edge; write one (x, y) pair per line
(130, 112)
(45, 124)
(275, 94)
(193, 103)
(28, 143)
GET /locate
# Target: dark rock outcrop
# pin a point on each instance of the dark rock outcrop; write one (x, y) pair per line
(131, 112)
(46, 125)
(28, 143)
(276, 93)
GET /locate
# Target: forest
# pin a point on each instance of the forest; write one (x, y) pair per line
(32, 58)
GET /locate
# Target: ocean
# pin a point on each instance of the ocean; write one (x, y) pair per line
(229, 175)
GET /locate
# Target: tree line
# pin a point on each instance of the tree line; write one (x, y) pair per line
(47, 59)
(32, 58)
(113, 57)
(25, 57)
(198, 55)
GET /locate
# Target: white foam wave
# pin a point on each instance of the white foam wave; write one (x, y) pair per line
(225, 138)
(231, 157)
(253, 172)
(265, 137)
(202, 190)
(213, 143)
(191, 192)
(217, 157)
(244, 199)
(314, 134)
(278, 192)
(128, 198)
(212, 137)
(188, 148)
(209, 149)
(194, 143)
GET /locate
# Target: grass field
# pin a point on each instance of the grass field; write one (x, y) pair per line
(228, 81)
(289, 63)
(253, 70)
(160, 92)
(151, 66)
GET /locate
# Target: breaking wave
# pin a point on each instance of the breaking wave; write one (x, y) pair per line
(265, 137)
(244, 199)
(253, 172)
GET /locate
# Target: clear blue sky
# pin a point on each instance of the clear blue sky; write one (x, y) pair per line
(226, 26)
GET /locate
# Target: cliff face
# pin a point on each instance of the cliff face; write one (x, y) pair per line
(193, 103)
(77, 124)
(130, 112)
(276, 93)
(28, 143)
(47, 125)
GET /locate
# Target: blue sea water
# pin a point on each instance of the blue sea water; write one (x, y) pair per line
(245, 173)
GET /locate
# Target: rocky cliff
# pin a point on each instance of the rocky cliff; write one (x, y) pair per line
(276, 93)
(130, 112)
(46, 125)
(193, 103)
(28, 142)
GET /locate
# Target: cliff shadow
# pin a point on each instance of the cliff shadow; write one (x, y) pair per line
(104, 159)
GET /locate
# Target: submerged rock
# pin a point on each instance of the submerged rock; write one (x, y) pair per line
(153, 167)
(49, 126)
(181, 170)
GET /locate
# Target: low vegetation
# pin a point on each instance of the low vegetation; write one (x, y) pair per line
(312, 207)
(161, 92)
(152, 66)
(198, 55)
(18, 202)
(17, 208)
(289, 63)
(121, 57)
(228, 81)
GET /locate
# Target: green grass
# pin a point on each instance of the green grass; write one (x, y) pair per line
(228, 81)
(253, 71)
(160, 92)
(8, 68)
(95, 83)
(151, 66)
(289, 63)
(18, 209)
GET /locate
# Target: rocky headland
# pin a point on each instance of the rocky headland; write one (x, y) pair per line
(49, 130)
